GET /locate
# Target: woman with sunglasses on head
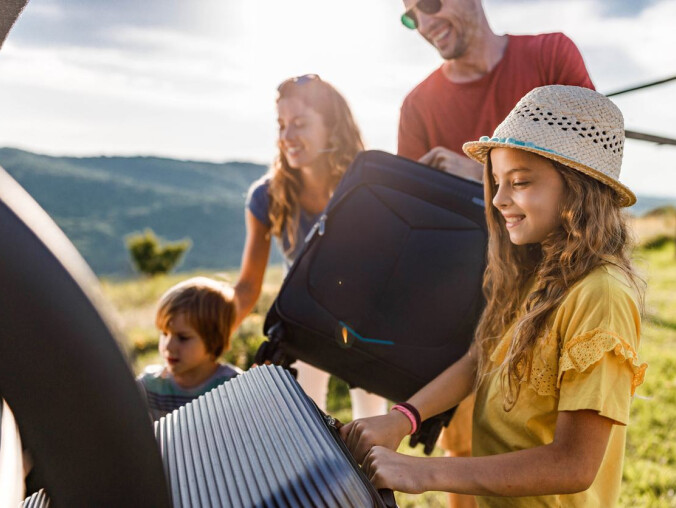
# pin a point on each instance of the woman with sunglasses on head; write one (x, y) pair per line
(318, 139)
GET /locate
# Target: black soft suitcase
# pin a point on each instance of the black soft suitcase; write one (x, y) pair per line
(387, 289)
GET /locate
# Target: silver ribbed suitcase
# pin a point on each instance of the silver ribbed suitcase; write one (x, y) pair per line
(259, 441)
(37, 500)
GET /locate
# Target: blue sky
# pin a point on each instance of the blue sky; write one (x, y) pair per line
(196, 79)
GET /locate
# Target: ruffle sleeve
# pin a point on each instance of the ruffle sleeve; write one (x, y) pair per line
(598, 330)
(589, 349)
(599, 372)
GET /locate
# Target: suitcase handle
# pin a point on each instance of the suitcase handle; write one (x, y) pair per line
(272, 350)
(430, 430)
(388, 498)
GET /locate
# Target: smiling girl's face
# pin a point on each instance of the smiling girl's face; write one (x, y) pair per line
(529, 192)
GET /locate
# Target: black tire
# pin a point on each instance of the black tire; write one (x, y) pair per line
(62, 372)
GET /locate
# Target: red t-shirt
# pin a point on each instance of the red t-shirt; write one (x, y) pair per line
(439, 112)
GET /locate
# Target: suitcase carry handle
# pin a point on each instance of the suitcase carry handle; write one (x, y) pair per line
(388, 498)
(272, 350)
(430, 430)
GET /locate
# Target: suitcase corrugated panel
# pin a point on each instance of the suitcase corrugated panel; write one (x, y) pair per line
(258, 441)
(37, 500)
(387, 289)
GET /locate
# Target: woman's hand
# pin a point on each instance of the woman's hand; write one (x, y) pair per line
(387, 430)
(387, 469)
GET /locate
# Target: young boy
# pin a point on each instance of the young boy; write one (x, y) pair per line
(195, 318)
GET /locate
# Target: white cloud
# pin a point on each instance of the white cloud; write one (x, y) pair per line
(48, 10)
(648, 169)
(199, 82)
(643, 40)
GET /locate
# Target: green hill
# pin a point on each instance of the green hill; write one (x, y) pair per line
(98, 201)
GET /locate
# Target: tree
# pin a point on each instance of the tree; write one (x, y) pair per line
(668, 215)
(151, 256)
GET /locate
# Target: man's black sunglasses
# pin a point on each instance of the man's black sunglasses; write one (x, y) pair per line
(409, 19)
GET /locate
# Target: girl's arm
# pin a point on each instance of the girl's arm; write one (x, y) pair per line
(445, 391)
(254, 261)
(569, 464)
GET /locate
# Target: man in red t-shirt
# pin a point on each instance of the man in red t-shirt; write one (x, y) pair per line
(481, 79)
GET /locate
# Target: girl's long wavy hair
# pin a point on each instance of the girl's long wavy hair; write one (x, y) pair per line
(344, 144)
(593, 232)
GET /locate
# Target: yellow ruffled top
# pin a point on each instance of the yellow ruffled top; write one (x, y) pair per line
(587, 359)
(589, 348)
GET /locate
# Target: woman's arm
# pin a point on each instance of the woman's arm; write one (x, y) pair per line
(568, 465)
(445, 391)
(254, 261)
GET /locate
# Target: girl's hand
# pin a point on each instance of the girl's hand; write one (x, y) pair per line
(387, 430)
(387, 469)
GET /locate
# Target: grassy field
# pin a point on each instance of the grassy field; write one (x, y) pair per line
(650, 463)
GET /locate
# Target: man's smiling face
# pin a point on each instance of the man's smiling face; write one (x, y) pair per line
(452, 29)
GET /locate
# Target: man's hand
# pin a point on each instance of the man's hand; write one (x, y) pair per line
(454, 163)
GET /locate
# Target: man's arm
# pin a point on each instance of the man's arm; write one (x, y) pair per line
(412, 142)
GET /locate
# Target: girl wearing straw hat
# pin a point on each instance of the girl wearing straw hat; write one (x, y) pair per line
(554, 363)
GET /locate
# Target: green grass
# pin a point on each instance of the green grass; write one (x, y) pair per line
(649, 476)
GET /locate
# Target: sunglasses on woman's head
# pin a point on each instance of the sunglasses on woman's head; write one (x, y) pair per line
(299, 80)
(410, 20)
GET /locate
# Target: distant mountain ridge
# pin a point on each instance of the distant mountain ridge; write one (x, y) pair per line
(644, 204)
(98, 201)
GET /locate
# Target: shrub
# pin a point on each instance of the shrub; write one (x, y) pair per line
(662, 211)
(152, 257)
(658, 242)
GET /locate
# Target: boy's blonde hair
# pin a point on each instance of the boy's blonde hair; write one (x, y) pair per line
(208, 308)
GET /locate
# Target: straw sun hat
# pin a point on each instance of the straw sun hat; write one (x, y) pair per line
(575, 126)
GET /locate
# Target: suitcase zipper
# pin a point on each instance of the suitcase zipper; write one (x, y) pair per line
(384, 497)
(330, 421)
(319, 227)
(322, 224)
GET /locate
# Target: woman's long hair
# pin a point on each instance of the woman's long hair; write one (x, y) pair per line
(344, 144)
(593, 232)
